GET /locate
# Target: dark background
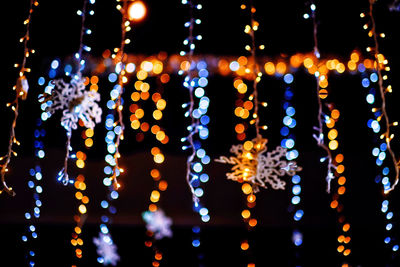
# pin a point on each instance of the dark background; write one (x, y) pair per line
(55, 34)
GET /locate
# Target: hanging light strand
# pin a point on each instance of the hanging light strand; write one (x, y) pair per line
(321, 93)
(196, 109)
(344, 236)
(289, 142)
(382, 145)
(120, 57)
(380, 63)
(34, 183)
(21, 87)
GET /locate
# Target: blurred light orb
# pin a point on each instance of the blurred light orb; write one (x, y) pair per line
(137, 10)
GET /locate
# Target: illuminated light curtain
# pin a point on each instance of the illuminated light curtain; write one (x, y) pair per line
(106, 249)
(344, 237)
(327, 119)
(77, 105)
(376, 81)
(30, 235)
(21, 87)
(289, 142)
(320, 71)
(157, 223)
(195, 81)
(253, 165)
(382, 70)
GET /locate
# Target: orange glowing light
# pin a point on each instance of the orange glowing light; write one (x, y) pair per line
(137, 11)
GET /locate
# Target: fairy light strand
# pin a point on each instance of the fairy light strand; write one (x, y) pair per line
(196, 110)
(21, 87)
(289, 141)
(386, 135)
(120, 57)
(344, 237)
(321, 93)
(34, 183)
(380, 151)
(106, 249)
(382, 144)
(247, 189)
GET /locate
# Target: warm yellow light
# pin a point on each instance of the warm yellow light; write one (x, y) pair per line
(82, 209)
(89, 142)
(245, 214)
(137, 11)
(155, 196)
(333, 145)
(248, 145)
(159, 158)
(161, 104)
(246, 188)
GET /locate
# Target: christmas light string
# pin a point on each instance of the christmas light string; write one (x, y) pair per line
(378, 77)
(106, 249)
(196, 110)
(195, 81)
(21, 87)
(381, 65)
(157, 223)
(116, 94)
(379, 151)
(289, 142)
(322, 93)
(78, 106)
(32, 216)
(344, 237)
(251, 166)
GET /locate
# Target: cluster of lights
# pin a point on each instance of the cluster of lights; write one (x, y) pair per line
(80, 186)
(114, 124)
(34, 184)
(196, 79)
(21, 87)
(380, 152)
(239, 66)
(53, 100)
(252, 72)
(374, 82)
(288, 142)
(151, 67)
(161, 185)
(322, 93)
(338, 159)
(381, 73)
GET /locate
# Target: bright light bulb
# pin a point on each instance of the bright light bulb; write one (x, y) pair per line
(137, 10)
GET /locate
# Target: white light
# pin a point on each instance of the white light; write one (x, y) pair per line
(137, 11)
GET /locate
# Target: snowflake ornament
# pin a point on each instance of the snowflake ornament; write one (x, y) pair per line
(75, 102)
(106, 249)
(158, 223)
(251, 164)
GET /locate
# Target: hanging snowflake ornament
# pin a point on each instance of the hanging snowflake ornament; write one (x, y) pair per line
(158, 223)
(106, 249)
(251, 164)
(75, 102)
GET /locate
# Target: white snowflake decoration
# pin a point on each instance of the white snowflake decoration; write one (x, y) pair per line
(75, 102)
(257, 168)
(158, 223)
(106, 249)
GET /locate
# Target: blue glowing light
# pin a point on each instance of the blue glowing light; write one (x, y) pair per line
(365, 82)
(288, 78)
